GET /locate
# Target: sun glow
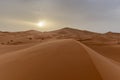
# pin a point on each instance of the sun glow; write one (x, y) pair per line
(41, 23)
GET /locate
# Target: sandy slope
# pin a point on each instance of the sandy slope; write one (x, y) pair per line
(12, 48)
(110, 51)
(57, 60)
(108, 68)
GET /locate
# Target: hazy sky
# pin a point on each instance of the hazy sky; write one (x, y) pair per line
(93, 15)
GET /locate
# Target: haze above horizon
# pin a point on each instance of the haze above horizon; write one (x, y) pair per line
(92, 15)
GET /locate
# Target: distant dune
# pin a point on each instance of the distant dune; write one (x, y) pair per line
(15, 38)
(65, 54)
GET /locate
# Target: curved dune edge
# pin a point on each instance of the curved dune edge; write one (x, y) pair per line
(57, 60)
(109, 69)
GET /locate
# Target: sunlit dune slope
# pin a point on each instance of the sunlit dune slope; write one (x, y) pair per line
(57, 60)
(12, 48)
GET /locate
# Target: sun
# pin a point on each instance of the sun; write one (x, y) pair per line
(41, 23)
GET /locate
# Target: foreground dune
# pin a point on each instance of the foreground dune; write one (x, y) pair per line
(57, 60)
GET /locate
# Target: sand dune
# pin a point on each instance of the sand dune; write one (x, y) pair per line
(108, 68)
(59, 55)
(32, 36)
(49, 61)
(57, 60)
(110, 51)
(12, 48)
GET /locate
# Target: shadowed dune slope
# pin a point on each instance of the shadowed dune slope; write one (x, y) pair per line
(57, 60)
(110, 51)
(108, 68)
